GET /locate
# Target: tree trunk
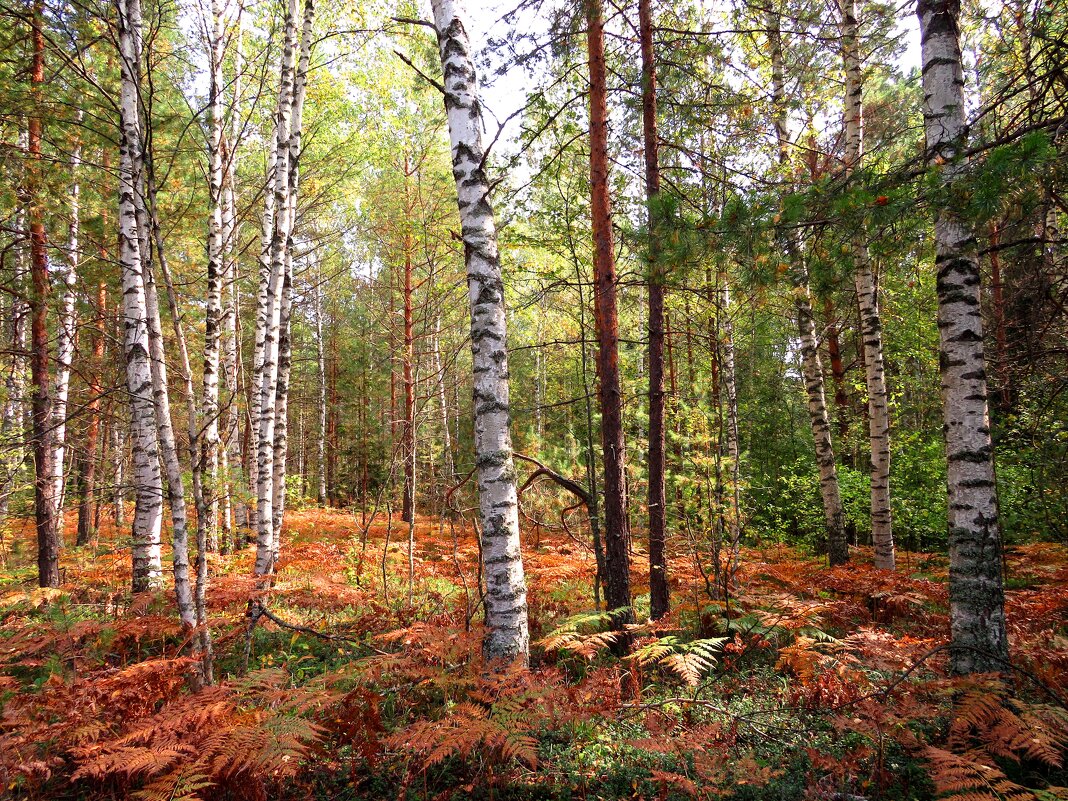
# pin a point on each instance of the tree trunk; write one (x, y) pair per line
(285, 342)
(87, 490)
(48, 533)
(448, 463)
(507, 636)
(833, 513)
(408, 425)
(617, 558)
(976, 594)
(867, 299)
(659, 603)
(733, 440)
(207, 499)
(320, 355)
(147, 480)
(65, 337)
(272, 307)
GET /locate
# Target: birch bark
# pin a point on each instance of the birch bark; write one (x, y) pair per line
(976, 593)
(812, 368)
(207, 498)
(507, 636)
(147, 480)
(67, 329)
(871, 326)
(272, 307)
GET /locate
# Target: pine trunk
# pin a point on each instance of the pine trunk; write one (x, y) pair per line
(507, 637)
(659, 603)
(976, 594)
(48, 527)
(617, 557)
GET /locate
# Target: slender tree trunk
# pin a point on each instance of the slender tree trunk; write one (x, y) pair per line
(235, 510)
(871, 326)
(408, 425)
(48, 533)
(67, 329)
(659, 603)
(976, 593)
(838, 373)
(443, 406)
(86, 516)
(119, 429)
(507, 635)
(733, 440)
(192, 603)
(833, 513)
(320, 354)
(147, 480)
(285, 343)
(281, 412)
(617, 558)
(207, 499)
(272, 308)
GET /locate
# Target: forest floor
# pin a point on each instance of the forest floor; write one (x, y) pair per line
(365, 679)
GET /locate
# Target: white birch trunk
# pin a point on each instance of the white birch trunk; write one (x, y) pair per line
(976, 592)
(733, 440)
(506, 592)
(148, 483)
(207, 500)
(235, 511)
(273, 307)
(66, 334)
(833, 512)
(871, 327)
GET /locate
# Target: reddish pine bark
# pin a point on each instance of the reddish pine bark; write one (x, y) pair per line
(617, 580)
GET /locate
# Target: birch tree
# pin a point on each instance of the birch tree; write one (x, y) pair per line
(147, 479)
(976, 593)
(812, 368)
(269, 312)
(871, 326)
(65, 338)
(507, 636)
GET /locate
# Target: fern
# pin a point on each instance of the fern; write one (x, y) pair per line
(688, 660)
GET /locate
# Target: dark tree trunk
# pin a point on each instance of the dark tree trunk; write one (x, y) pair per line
(617, 578)
(48, 534)
(658, 583)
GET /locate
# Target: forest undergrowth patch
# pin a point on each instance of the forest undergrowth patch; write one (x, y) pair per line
(367, 680)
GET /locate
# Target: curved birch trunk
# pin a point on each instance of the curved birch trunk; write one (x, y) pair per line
(819, 420)
(871, 327)
(507, 637)
(147, 480)
(976, 593)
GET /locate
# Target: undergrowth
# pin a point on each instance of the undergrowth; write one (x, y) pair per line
(809, 684)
